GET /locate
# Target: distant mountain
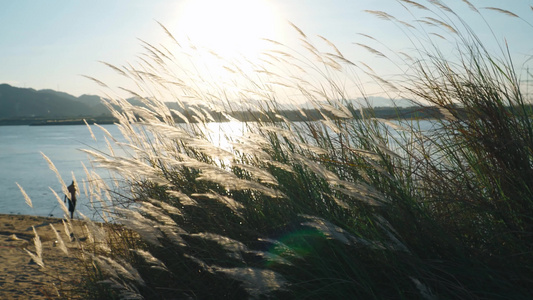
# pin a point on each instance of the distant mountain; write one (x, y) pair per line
(18, 103)
(29, 106)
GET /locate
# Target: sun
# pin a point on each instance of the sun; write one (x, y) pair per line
(229, 27)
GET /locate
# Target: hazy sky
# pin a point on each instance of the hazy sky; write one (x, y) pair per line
(49, 44)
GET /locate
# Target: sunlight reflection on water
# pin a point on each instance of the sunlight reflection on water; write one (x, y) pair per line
(223, 134)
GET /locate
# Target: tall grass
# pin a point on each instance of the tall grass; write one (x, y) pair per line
(351, 206)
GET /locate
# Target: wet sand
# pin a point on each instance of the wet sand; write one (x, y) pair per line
(20, 276)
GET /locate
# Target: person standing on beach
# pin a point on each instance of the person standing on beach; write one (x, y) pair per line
(72, 199)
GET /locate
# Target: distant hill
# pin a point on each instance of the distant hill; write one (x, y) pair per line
(23, 106)
(17, 103)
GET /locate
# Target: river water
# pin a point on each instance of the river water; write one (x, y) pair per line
(21, 162)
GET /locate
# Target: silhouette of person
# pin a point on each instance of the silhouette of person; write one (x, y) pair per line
(72, 199)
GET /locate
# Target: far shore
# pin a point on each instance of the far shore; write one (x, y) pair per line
(391, 113)
(44, 122)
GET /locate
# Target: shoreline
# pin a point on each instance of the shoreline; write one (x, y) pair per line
(293, 115)
(20, 276)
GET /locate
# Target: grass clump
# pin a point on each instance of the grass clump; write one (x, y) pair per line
(347, 206)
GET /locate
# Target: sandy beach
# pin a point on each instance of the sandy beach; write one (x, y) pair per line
(20, 276)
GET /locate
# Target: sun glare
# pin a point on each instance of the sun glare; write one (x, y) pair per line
(230, 28)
